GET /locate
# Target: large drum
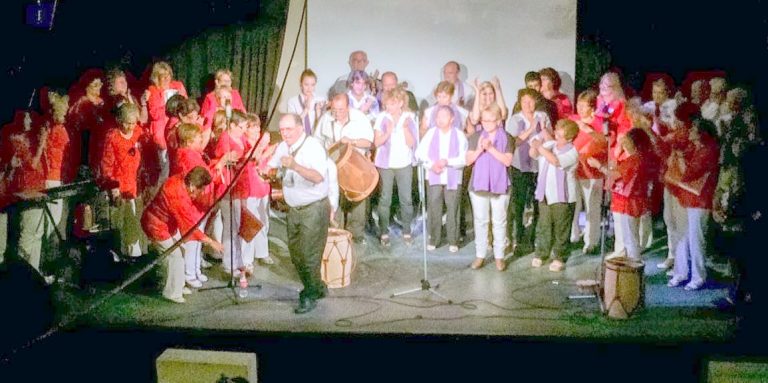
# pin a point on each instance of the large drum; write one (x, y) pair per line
(624, 288)
(357, 174)
(338, 259)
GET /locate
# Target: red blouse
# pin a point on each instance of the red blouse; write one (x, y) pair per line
(698, 162)
(225, 144)
(156, 108)
(590, 145)
(172, 210)
(120, 163)
(630, 191)
(55, 150)
(564, 106)
(211, 105)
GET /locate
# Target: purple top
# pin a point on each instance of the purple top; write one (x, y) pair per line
(489, 174)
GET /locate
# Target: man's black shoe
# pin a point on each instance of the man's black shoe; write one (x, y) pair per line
(305, 305)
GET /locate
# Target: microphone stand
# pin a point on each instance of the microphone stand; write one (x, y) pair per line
(425, 285)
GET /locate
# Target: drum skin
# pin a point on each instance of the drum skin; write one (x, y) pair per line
(358, 176)
(338, 259)
(624, 288)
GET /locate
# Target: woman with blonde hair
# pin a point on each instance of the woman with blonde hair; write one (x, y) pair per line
(487, 93)
(163, 87)
(217, 99)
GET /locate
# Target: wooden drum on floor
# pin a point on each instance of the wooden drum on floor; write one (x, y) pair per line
(624, 287)
(357, 174)
(338, 259)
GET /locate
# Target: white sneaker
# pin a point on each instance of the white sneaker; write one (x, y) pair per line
(667, 264)
(453, 249)
(186, 291)
(431, 247)
(674, 282)
(194, 283)
(202, 278)
(177, 300)
(694, 285)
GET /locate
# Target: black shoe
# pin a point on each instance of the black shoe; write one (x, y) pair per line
(305, 305)
(322, 293)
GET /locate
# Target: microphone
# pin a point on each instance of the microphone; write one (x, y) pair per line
(606, 112)
(228, 109)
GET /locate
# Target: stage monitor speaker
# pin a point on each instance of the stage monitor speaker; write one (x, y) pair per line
(193, 366)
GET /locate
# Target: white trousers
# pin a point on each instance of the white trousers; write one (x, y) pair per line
(646, 231)
(193, 256)
(173, 266)
(489, 208)
(693, 225)
(589, 201)
(672, 209)
(31, 236)
(259, 245)
(627, 229)
(231, 240)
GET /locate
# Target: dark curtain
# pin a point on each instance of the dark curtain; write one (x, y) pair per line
(251, 51)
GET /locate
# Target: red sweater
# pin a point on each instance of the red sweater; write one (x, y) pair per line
(630, 191)
(590, 145)
(564, 106)
(225, 144)
(120, 163)
(55, 150)
(698, 162)
(172, 210)
(156, 108)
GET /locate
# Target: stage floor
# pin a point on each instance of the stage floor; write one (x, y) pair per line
(519, 302)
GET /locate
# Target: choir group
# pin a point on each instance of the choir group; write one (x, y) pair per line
(531, 178)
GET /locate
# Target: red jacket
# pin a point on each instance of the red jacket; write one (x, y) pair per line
(590, 145)
(225, 144)
(29, 176)
(186, 159)
(84, 115)
(630, 191)
(119, 167)
(156, 108)
(56, 148)
(211, 105)
(172, 210)
(698, 162)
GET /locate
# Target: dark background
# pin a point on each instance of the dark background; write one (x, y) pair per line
(652, 35)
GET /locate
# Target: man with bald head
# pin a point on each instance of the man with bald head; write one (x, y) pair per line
(358, 60)
(464, 95)
(389, 81)
(304, 166)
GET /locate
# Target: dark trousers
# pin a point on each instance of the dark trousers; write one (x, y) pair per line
(553, 231)
(388, 178)
(437, 195)
(352, 216)
(523, 185)
(307, 235)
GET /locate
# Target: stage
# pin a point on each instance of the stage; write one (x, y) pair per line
(519, 302)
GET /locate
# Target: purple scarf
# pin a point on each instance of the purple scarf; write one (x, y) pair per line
(383, 152)
(541, 182)
(526, 162)
(434, 155)
(307, 124)
(489, 174)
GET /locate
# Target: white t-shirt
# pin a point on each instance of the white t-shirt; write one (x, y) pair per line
(568, 162)
(459, 121)
(309, 153)
(354, 103)
(400, 154)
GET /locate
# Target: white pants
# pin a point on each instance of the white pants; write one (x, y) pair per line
(173, 266)
(3, 235)
(627, 230)
(692, 225)
(489, 208)
(31, 237)
(259, 245)
(193, 256)
(589, 200)
(646, 231)
(231, 240)
(672, 209)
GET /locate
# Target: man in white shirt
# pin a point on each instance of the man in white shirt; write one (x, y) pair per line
(305, 187)
(464, 94)
(347, 126)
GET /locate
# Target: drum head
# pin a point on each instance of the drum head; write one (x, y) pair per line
(338, 152)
